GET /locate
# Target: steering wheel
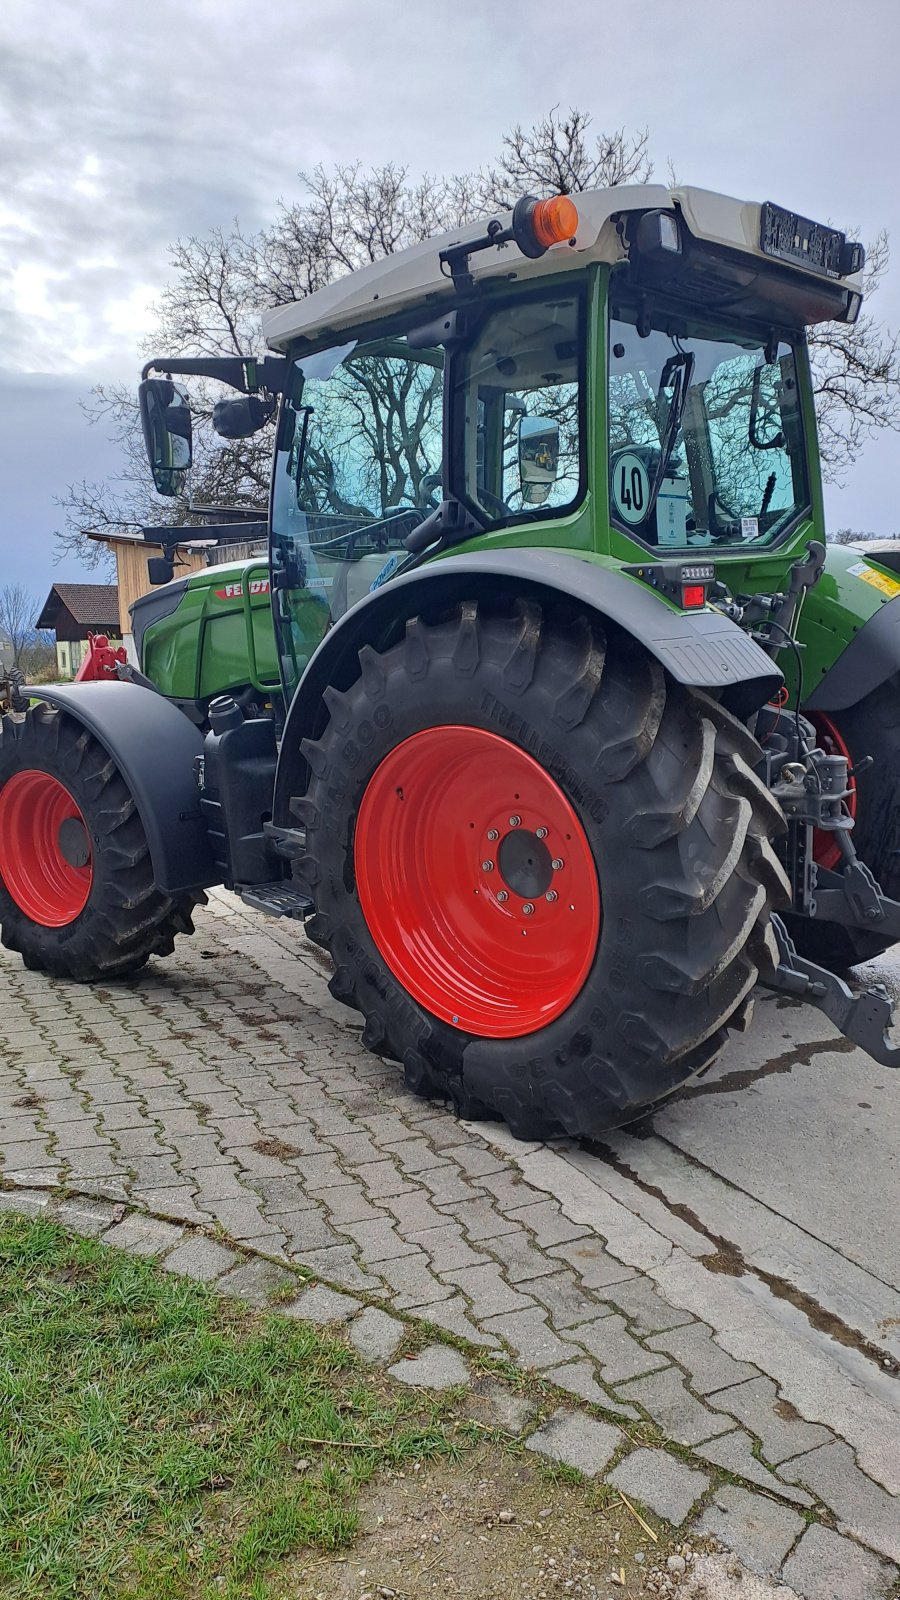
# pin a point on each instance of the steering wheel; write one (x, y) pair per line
(427, 498)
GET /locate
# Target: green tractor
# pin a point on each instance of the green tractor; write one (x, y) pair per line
(549, 712)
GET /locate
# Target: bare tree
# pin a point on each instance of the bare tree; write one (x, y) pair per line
(560, 156)
(853, 536)
(350, 215)
(38, 659)
(18, 612)
(856, 375)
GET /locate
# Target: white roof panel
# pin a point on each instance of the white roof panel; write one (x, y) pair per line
(417, 277)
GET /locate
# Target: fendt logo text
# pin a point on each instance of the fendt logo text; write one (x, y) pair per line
(233, 591)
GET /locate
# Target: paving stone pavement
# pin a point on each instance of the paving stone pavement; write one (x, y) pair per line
(667, 1486)
(225, 1100)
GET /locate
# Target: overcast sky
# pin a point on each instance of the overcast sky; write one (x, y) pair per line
(124, 125)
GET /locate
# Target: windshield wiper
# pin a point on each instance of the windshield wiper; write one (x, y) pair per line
(677, 372)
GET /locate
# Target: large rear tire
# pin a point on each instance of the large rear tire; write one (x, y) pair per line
(871, 728)
(650, 890)
(77, 896)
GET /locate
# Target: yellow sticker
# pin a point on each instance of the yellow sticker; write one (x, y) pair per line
(880, 580)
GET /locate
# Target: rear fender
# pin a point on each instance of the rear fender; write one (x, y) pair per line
(153, 745)
(700, 648)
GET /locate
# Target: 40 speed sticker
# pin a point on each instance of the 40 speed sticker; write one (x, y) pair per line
(630, 488)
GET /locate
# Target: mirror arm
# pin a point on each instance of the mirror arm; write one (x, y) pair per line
(244, 373)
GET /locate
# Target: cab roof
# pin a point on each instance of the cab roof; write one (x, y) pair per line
(417, 277)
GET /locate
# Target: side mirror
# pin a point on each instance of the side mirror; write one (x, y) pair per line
(160, 569)
(166, 421)
(538, 458)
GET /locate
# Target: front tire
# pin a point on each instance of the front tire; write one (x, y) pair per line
(449, 748)
(77, 896)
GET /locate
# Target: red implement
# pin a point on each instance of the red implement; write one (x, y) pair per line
(100, 661)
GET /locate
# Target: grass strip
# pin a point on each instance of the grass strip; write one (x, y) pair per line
(152, 1435)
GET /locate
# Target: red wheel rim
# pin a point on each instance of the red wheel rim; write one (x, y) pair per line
(488, 921)
(42, 837)
(826, 850)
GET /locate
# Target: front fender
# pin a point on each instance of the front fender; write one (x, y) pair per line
(871, 656)
(153, 745)
(700, 648)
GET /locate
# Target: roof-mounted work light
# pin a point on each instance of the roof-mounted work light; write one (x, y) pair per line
(657, 235)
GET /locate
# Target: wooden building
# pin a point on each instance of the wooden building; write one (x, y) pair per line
(132, 554)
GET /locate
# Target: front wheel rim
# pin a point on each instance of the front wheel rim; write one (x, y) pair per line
(45, 853)
(477, 881)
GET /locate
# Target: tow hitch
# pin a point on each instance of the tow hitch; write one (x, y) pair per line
(865, 1018)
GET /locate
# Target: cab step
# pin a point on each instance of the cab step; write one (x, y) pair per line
(278, 899)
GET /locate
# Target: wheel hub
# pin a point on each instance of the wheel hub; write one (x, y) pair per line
(525, 863)
(74, 845)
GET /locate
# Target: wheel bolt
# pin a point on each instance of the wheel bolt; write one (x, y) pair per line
(487, 866)
(557, 862)
(493, 834)
(502, 894)
(551, 895)
(528, 909)
(514, 821)
(541, 833)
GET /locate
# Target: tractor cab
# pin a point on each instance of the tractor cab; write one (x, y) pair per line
(622, 375)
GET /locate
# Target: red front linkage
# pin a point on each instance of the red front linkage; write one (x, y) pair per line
(100, 661)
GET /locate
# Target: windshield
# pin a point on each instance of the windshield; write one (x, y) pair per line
(705, 435)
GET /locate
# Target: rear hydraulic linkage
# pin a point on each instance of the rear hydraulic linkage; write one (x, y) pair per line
(812, 787)
(865, 1018)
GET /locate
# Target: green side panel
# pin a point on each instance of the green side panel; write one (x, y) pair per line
(844, 598)
(203, 647)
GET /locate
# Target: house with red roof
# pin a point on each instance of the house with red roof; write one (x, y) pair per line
(72, 611)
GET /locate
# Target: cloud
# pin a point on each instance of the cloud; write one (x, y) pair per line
(124, 126)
